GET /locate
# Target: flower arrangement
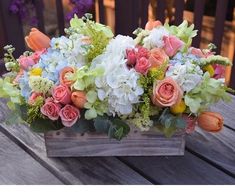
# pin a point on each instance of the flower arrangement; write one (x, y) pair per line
(91, 81)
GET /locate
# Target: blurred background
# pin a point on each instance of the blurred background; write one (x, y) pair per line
(214, 18)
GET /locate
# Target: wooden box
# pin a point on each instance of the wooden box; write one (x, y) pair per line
(66, 143)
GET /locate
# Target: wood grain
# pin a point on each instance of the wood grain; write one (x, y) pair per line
(218, 148)
(17, 167)
(70, 170)
(178, 170)
(228, 112)
(66, 143)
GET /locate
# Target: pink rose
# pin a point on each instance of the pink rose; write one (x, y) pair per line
(61, 94)
(171, 45)
(51, 109)
(25, 62)
(131, 57)
(219, 71)
(36, 55)
(166, 93)
(142, 66)
(69, 115)
(157, 57)
(142, 52)
(33, 97)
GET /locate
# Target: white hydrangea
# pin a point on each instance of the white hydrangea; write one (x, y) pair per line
(188, 76)
(155, 38)
(119, 45)
(119, 85)
(72, 48)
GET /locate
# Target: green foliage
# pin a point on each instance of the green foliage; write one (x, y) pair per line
(169, 123)
(99, 34)
(83, 125)
(42, 125)
(11, 92)
(114, 127)
(33, 112)
(209, 92)
(183, 32)
(215, 59)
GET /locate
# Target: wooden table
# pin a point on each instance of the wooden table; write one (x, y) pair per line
(209, 159)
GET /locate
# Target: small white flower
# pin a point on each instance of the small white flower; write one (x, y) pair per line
(155, 39)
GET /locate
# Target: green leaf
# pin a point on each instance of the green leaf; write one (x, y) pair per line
(90, 114)
(82, 126)
(45, 125)
(91, 96)
(122, 129)
(102, 124)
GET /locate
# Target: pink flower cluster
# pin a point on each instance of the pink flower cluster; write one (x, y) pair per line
(61, 96)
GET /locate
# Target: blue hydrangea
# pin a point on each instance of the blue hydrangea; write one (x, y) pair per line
(24, 86)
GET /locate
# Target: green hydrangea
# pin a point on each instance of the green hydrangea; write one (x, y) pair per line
(209, 92)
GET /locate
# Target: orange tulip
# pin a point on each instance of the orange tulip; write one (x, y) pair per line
(210, 121)
(152, 24)
(63, 73)
(37, 41)
(79, 99)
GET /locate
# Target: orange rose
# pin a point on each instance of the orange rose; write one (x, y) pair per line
(37, 41)
(166, 93)
(79, 99)
(157, 57)
(152, 24)
(63, 74)
(210, 121)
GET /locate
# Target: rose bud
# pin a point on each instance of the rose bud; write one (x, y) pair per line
(131, 57)
(79, 99)
(210, 121)
(37, 41)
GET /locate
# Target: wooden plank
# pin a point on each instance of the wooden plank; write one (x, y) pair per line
(179, 11)
(232, 81)
(220, 16)
(227, 110)
(125, 17)
(178, 170)
(160, 12)
(101, 11)
(19, 168)
(10, 26)
(39, 13)
(70, 170)
(66, 143)
(198, 15)
(60, 16)
(144, 12)
(217, 148)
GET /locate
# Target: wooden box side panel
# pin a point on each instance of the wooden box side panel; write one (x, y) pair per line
(65, 143)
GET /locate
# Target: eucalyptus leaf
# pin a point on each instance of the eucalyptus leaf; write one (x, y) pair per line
(45, 125)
